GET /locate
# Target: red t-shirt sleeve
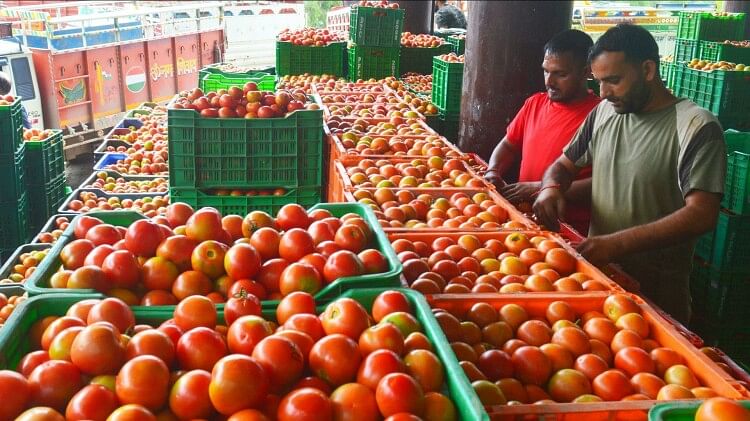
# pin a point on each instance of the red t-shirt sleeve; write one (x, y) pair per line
(516, 128)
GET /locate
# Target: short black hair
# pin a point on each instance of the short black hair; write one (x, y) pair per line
(4, 84)
(450, 16)
(635, 41)
(573, 41)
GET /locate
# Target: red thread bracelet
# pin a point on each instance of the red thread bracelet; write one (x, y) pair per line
(551, 186)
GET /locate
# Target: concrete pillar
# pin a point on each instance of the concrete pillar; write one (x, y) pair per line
(417, 16)
(504, 51)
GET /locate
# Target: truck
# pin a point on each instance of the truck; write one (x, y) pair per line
(81, 66)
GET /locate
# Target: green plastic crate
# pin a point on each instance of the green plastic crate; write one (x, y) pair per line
(11, 127)
(420, 60)
(215, 81)
(685, 50)
(737, 183)
(245, 153)
(14, 223)
(375, 26)
(709, 26)
(447, 81)
(38, 283)
(666, 72)
(678, 411)
(731, 248)
(449, 126)
(724, 93)
(727, 294)
(300, 59)
(373, 62)
(214, 69)
(45, 160)
(13, 174)
(704, 246)
(700, 280)
(12, 260)
(44, 202)
(458, 44)
(241, 205)
(718, 51)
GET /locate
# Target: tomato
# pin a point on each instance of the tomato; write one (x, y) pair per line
(715, 409)
(315, 382)
(619, 304)
(53, 383)
(350, 237)
(358, 221)
(345, 316)
(320, 232)
(57, 326)
(16, 392)
(266, 240)
(270, 274)
(97, 255)
(377, 365)
(305, 404)
(237, 382)
(248, 415)
(282, 359)
(98, 349)
(591, 365)
(242, 304)
(151, 342)
(354, 402)
(114, 311)
(256, 220)
(316, 260)
(40, 414)
(634, 322)
(103, 234)
(307, 323)
(188, 397)
(327, 248)
(300, 277)
(200, 348)
(531, 365)
(93, 402)
(405, 322)
(292, 216)
(342, 264)
(189, 283)
(177, 249)
(303, 341)
(389, 302)
(158, 298)
(178, 214)
(573, 339)
(681, 375)
(534, 332)
(131, 412)
(426, 368)
(399, 392)
(335, 358)
(665, 358)
(319, 214)
(204, 224)
(144, 380)
(83, 223)
(295, 244)
(242, 261)
(30, 361)
(121, 269)
(568, 384)
(373, 261)
(381, 336)
(489, 393)
(612, 385)
(88, 277)
(634, 360)
(195, 311)
(647, 384)
(233, 225)
(438, 407)
(208, 257)
(245, 333)
(159, 273)
(295, 303)
(81, 308)
(143, 237)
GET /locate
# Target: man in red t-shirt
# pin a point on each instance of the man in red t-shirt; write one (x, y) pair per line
(546, 123)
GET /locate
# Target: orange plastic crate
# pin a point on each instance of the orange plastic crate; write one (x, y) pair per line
(707, 372)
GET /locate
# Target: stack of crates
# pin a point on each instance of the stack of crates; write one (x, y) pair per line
(375, 42)
(447, 82)
(14, 206)
(45, 177)
(294, 59)
(720, 281)
(702, 36)
(419, 59)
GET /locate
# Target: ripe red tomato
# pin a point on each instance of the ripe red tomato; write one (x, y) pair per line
(270, 273)
(245, 333)
(40, 414)
(151, 342)
(345, 316)
(426, 368)
(121, 269)
(83, 223)
(178, 214)
(399, 392)
(295, 303)
(204, 224)
(30, 361)
(721, 409)
(143, 237)
(531, 365)
(305, 404)
(93, 402)
(320, 231)
(144, 380)
(159, 273)
(242, 261)
(208, 257)
(299, 277)
(250, 415)
(114, 311)
(282, 360)
(335, 359)
(131, 412)
(57, 326)
(354, 402)
(74, 253)
(195, 311)
(53, 383)
(266, 241)
(381, 336)
(377, 365)
(188, 397)
(307, 323)
(98, 349)
(200, 348)
(242, 304)
(177, 249)
(351, 237)
(292, 216)
(103, 234)
(303, 341)
(16, 394)
(98, 254)
(389, 302)
(295, 244)
(190, 282)
(237, 382)
(373, 261)
(342, 264)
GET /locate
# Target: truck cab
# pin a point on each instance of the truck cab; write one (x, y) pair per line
(16, 62)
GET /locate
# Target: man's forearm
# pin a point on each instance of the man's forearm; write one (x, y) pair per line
(557, 174)
(503, 157)
(579, 192)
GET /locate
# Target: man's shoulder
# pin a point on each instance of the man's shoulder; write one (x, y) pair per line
(691, 114)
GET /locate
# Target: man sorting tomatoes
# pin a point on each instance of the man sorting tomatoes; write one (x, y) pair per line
(546, 123)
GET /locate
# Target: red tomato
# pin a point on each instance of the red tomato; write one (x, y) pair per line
(314, 382)
(399, 392)
(143, 237)
(188, 397)
(131, 412)
(305, 404)
(98, 254)
(373, 261)
(307, 323)
(426, 368)
(249, 415)
(327, 248)
(295, 244)
(320, 231)
(389, 302)
(93, 402)
(158, 298)
(53, 383)
(316, 260)
(177, 249)
(121, 269)
(190, 282)
(83, 223)
(204, 224)
(114, 311)
(195, 311)
(270, 273)
(303, 341)
(237, 382)
(144, 380)
(319, 214)
(159, 273)
(292, 216)
(98, 350)
(242, 261)
(377, 365)
(40, 414)
(299, 277)
(335, 358)
(266, 240)
(282, 360)
(208, 257)
(30, 361)
(246, 332)
(342, 264)
(200, 348)
(15, 390)
(295, 303)
(178, 214)
(354, 402)
(351, 237)
(345, 316)
(74, 253)
(103, 234)
(381, 336)
(151, 342)
(242, 304)
(57, 326)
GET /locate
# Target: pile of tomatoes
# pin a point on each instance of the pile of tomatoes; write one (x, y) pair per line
(605, 354)
(163, 260)
(8, 305)
(25, 266)
(96, 363)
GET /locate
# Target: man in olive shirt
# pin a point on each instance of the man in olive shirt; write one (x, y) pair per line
(658, 171)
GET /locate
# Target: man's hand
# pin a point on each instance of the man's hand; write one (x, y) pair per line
(549, 206)
(493, 177)
(599, 250)
(520, 192)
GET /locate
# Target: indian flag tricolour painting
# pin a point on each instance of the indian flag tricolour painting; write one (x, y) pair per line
(135, 79)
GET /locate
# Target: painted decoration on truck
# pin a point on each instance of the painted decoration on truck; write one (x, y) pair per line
(161, 70)
(186, 66)
(72, 94)
(101, 76)
(135, 79)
